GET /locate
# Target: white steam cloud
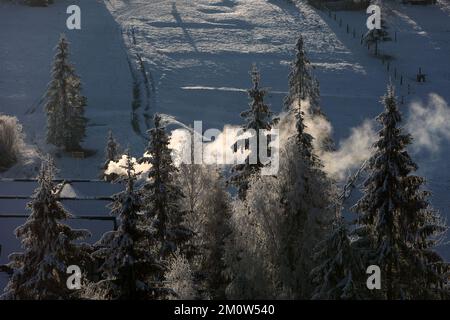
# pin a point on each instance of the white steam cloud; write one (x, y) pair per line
(429, 124)
(351, 153)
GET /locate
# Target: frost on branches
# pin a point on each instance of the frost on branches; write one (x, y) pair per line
(39, 272)
(162, 194)
(180, 278)
(66, 124)
(208, 207)
(274, 231)
(339, 273)
(302, 83)
(257, 118)
(129, 266)
(395, 216)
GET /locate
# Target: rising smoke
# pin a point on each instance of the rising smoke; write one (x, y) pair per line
(428, 123)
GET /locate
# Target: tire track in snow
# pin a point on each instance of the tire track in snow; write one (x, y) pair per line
(144, 90)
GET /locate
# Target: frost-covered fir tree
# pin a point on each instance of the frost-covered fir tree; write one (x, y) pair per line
(339, 272)
(39, 272)
(66, 124)
(112, 153)
(252, 248)
(306, 196)
(395, 217)
(208, 207)
(131, 269)
(216, 207)
(302, 84)
(258, 117)
(163, 195)
(269, 253)
(304, 90)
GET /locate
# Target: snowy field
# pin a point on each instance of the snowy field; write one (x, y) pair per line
(99, 57)
(195, 56)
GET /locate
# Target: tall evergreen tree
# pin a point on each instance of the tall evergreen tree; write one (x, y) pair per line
(208, 207)
(49, 248)
(274, 231)
(162, 194)
(257, 118)
(130, 268)
(302, 84)
(395, 217)
(66, 124)
(215, 231)
(306, 194)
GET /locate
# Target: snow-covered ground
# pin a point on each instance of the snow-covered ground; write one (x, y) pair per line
(191, 59)
(27, 39)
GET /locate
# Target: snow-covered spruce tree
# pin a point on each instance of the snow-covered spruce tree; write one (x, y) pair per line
(131, 269)
(339, 273)
(302, 84)
(304, 89)
(49, 248)
(258, 118)
(274, 231)
(395, 217)
(112, 153)
(162, 195)
(306, 194)
(66, 124)
(208, 207)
